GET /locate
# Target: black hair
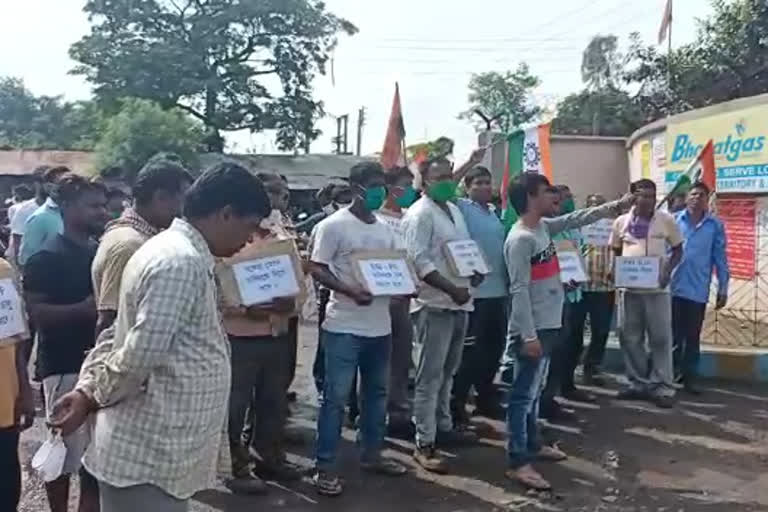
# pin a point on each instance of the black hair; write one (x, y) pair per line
(23, 192)
(268, 176)
(362, 173)
(227, 184)
(52, 174)
(392, 176)
(114, 172)
(165, 175)
(562, 188)
(644, 183)
(39, 172)
(168, 156)
(524, 185)
(114, 193)
(426, 165)
(477, 171)
(72, 187)
(701, 186)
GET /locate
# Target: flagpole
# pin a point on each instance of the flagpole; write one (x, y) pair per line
(669, 43)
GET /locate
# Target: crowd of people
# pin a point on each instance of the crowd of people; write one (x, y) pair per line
(146, 355)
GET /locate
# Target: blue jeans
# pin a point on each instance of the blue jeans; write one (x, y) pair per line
(530, 376)
(344, 354)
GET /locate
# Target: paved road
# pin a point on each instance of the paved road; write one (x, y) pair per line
(710, 454)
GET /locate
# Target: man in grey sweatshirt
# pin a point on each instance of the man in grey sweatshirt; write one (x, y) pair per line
(537, 302)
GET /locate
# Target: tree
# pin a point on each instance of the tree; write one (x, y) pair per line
(608, 112)
(44, 122)
(727, 60)
(142, 129)
(507, 95)
(231, 64)
(600, 63)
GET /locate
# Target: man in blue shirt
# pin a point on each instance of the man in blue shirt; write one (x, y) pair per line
(704, 249)
(46, 222)
(486, 335)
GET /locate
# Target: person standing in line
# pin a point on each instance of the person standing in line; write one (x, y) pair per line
(440, 311)
(17, 410)
(356, 333)
(646, 231)
(158, 198)
(704, 245)
(488, 322)
(59, 293)
(537, 297)
(116, 199)
(159, 396)
(401, 195)
(24, 202)
(45, 222)
(598, 299)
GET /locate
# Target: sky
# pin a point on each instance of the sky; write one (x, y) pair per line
(430, 47)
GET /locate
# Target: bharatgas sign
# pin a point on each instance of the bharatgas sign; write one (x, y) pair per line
(741, 148)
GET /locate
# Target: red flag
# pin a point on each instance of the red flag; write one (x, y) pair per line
(707, 162)
(392, 154)
(666, 21)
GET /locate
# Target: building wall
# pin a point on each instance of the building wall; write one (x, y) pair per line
(590, 165)
(23, 162)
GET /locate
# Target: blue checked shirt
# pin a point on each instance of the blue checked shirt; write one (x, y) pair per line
(703, 250)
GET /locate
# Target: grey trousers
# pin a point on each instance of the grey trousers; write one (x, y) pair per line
(400, 364)
(138, 497)
(649, 313)
(437, 349)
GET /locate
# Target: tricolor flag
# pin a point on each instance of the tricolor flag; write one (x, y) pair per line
(666, 22)
(527, 151)
(701, 169)
(393, 153)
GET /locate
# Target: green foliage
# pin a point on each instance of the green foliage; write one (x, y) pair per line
(142, 129)
(507, 95)
(44, 122)
(609, 112)
(232, 64)
(601, 63)
(442, 146)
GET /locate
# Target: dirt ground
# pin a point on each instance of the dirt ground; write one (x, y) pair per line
(708, 454)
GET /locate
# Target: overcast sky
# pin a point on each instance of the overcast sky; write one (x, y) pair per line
(430, 47)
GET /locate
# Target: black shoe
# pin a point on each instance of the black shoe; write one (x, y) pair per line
(579, 395)
(593, 378)
(555, 413)
(632, 394)
(459, 414)
(664, 401)
(491, 410)
(459, 435)
(690, 387)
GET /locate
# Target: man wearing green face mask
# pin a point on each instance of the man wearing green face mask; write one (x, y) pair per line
(401, 195)
(357, 329)
(440, 310)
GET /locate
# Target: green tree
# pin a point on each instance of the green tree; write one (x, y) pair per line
(44, 122)
(232, 64)
(610, 112)
(506, 95)
(601, 63)
(141, 129)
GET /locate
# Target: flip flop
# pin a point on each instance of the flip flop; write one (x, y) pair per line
(531, 480)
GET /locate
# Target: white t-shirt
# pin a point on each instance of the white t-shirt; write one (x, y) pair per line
(23, 213)
(395, 223)
(335, 239)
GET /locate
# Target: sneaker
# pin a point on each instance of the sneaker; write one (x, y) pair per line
(579, 395)
(246, 483)
(327, 483)
(632, 394)
(458, 435)
(689, 386)
(664, 401)
(386, 467)
(428, 458)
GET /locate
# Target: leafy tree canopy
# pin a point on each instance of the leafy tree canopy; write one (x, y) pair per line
(140, 130)
(219, 60)
(609, 112)
(506, 95)
(44, 122)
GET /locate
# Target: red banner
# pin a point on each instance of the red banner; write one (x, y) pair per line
(738, 216)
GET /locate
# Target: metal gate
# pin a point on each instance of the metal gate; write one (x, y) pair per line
(744, 322)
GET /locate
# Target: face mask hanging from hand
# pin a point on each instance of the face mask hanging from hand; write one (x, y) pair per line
(442, 191)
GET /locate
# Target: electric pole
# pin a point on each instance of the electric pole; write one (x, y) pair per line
(360, 124)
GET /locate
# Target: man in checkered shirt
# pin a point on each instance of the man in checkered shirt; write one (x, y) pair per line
(158, 382)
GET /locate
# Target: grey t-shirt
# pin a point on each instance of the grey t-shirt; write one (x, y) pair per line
(534, 271)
